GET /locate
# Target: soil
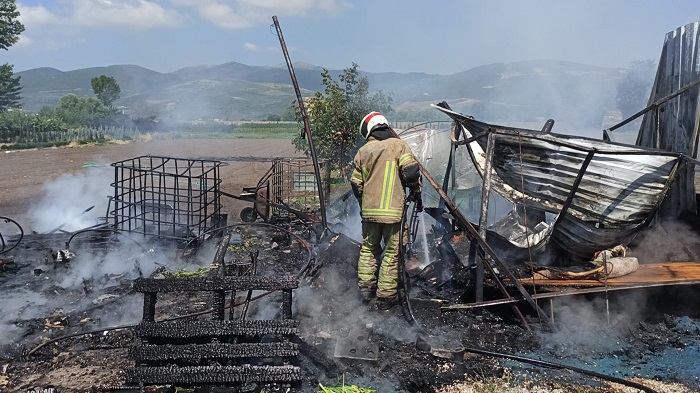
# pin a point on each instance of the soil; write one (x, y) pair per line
(630, 336)
(24, 173)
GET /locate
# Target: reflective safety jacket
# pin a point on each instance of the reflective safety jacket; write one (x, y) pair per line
(383, 168)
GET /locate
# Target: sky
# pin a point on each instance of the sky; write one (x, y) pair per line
(434, 37)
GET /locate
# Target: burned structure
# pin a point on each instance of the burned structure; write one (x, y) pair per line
(565, 198)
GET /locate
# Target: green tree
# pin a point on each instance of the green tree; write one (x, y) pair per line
(82, 111)
(9, 89)
(106, 89)
(10, 29)
(634, 89)
(335, 115)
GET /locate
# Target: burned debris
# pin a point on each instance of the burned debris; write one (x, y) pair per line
(271, 302)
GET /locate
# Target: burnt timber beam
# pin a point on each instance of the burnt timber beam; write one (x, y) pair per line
(217, 328)
(194, 375)
(145, 353)
(228, 283)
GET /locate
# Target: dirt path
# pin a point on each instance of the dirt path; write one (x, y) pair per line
(24, 174)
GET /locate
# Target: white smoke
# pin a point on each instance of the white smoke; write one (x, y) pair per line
(65, 201)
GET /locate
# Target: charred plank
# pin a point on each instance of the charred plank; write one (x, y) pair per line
(213, 350)
(236, 283)
(217, 328)
(196, 375)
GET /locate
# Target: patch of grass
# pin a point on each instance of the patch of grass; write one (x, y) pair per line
(201, 272)
(344, 389)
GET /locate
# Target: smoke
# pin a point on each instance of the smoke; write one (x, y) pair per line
(96, 278)
(66, 200)
(667, 241)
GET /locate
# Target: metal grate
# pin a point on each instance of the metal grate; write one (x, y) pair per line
(293, 184)
(166, 197)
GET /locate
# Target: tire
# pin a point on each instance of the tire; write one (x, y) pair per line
(249, 214)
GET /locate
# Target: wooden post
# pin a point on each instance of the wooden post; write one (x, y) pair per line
(149, 306)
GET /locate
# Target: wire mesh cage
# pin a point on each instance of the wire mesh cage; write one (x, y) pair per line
(167, 197)
(293, 184)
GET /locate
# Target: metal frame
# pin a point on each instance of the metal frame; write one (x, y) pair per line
(166, 197)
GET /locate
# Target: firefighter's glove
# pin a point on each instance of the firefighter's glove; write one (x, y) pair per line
(418, 199)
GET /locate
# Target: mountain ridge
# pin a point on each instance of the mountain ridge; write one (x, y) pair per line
(576, 93)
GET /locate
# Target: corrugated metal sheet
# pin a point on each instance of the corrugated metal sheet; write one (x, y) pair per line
(619, 191)
(673, 125)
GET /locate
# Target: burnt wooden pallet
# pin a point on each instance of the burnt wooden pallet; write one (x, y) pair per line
(217, 351)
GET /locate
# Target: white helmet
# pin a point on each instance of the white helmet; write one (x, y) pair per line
(370, 121)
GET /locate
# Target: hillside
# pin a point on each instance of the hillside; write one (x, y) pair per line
(576, 94)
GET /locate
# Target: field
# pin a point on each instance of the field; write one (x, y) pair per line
(28, 177)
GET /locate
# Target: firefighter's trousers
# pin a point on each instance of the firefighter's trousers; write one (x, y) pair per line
(385, 276)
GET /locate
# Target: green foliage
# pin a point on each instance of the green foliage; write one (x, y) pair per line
(9, 89)
(10, 28)
(634, 89)
(18, 126)
(106, 89)
(46, 129)
(267, 130)
(344, 389)
(334, 116)
(82, 111)
(200, 272)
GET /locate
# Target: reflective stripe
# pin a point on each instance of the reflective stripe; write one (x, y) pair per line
(356, 174)
(405, 158)
(395, 213)
(388, 184)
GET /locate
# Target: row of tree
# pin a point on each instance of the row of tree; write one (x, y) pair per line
(72, 113)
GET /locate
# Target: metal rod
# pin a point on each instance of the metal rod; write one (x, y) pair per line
(605, 285)
(574, 188)
(483, 217)
(548, 295)
(654, 105)
(307, 127)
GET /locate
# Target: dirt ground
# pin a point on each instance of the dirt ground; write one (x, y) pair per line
(23, 173)
(96, 362)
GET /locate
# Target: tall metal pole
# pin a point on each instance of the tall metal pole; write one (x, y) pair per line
(307, 127)
(483, 217)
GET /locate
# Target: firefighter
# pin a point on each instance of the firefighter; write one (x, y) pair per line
(383, 168)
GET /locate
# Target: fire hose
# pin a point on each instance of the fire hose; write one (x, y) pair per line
(3, 245)
(404, 280)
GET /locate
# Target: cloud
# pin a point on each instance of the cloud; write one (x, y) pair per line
(240, 14)
(250, 47)
(140, 14)
(38, 15)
